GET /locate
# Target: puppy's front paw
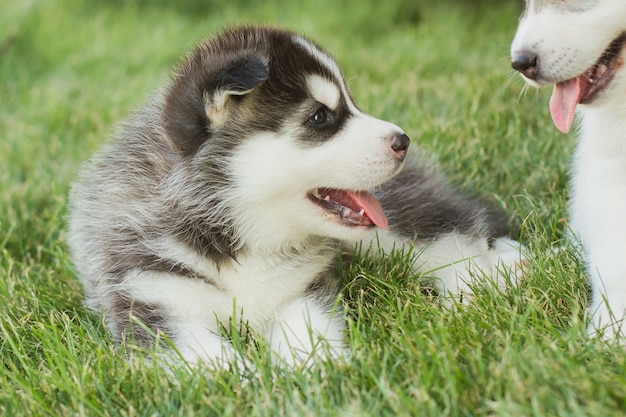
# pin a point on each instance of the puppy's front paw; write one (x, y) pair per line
(504, 264)
(509, 262)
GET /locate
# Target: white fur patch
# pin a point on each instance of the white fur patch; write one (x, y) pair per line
(598, 207)
(324, 91)
(327, 61)
(303, 329)
(322, 57)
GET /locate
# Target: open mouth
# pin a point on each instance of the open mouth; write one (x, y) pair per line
(584, 88)
(352, 208)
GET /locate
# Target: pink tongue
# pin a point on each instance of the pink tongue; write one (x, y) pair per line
(565, 98)
(360, 200)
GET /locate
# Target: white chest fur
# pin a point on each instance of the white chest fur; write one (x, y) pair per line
(598, 209)
(252, 287)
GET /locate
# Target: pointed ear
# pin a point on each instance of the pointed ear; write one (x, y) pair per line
(198, 98)
(238, 78)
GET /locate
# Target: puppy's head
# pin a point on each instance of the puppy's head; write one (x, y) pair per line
(269, 114)
(577, 45)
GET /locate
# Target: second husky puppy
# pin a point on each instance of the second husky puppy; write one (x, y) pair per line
(229, 196)
(578, 46)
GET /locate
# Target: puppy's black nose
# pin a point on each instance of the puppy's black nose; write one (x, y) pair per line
(400, 144)
(526, 63)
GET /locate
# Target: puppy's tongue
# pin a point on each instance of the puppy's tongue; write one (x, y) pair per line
(565, 97)
(360, 200)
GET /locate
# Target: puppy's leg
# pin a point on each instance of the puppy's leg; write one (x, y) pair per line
(306, 329)
(608, 292)
(197, 344)
(458, 239)
(597, 218)
(456, 262)
(187, 310)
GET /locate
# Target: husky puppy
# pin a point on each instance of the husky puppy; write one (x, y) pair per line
(230, 194)
(578, 46)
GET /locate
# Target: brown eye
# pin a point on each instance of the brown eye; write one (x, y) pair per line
(319, 117)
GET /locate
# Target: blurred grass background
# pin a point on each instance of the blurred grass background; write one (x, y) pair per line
(70, 70)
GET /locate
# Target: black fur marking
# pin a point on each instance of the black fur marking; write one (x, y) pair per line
(209, 239)
(325, 288)
(190, 210)
(136, 322)
(243, 74)
(185, 106)
(154, 263)
(421, 205)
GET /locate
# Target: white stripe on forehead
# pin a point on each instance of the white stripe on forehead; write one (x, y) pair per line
(321, 57)
(326, 60)
(324, 91)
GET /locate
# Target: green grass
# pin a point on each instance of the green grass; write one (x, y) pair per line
(69, 70)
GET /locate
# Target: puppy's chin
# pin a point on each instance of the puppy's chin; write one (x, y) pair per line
(341, 231)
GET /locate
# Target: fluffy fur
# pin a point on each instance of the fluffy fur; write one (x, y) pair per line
(579, 44)
(231, 193)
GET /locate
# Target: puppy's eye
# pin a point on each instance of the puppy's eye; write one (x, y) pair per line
(319, 117)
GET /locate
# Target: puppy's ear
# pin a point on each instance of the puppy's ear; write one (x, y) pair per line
(198, 99)
(238, 78)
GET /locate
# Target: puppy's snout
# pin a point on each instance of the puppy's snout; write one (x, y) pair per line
(526, 63)
(400, 144)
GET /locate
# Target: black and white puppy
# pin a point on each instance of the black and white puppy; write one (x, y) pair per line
(231, 193)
